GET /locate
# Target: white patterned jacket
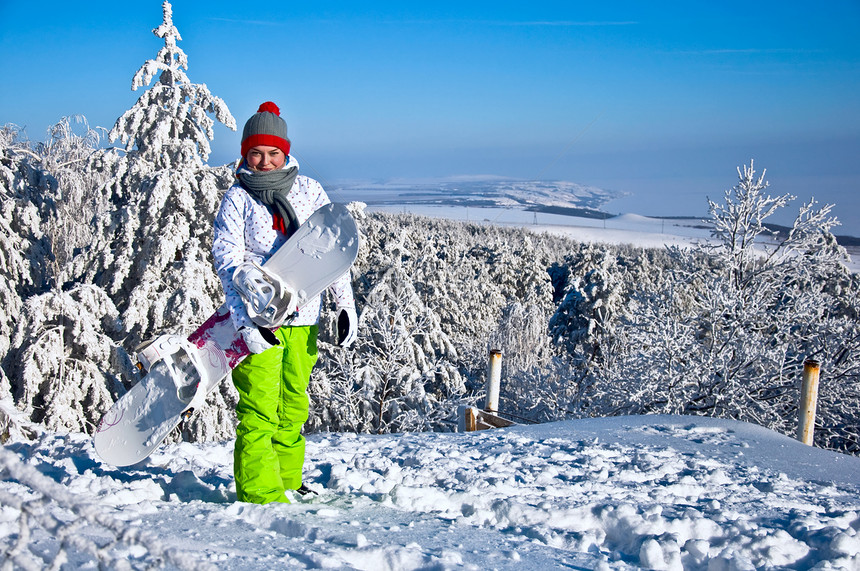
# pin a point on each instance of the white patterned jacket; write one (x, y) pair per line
(244, 232)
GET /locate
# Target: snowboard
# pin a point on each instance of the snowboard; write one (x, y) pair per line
(182, 371)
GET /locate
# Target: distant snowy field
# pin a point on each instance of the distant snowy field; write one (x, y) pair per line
(534, 206)
(657, 492)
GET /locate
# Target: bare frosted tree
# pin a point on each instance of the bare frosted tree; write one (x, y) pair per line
(751, 250)
(76, 202)
(727, 331)
(537, 386)
(522, 335)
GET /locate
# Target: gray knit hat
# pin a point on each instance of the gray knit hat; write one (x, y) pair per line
(265, 127)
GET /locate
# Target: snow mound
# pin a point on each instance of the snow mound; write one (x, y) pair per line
(661, 492)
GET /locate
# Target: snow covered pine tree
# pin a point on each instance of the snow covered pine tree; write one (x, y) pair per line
(146, 269)
(155, 263)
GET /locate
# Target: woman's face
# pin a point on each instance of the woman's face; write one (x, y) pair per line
(263, 158)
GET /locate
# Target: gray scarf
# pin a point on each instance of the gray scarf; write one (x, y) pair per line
(271, 188)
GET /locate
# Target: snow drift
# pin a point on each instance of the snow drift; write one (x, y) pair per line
(661, 492)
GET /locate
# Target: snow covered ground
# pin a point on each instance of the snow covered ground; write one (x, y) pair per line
(657, 492)
(623, 229)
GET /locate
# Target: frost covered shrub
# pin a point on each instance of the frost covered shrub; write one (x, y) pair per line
(430, 294)
(522, 335)
(537, 384)
(24, 247)
(69, 368)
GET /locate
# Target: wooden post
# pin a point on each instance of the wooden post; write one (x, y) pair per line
(808, 401)
(470, 418)
(467, 419)
(494, 381)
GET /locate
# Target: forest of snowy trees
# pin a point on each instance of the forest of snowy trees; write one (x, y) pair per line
(102, 248)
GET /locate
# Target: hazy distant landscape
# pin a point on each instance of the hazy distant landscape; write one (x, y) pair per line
(518, 202)
(485, 193)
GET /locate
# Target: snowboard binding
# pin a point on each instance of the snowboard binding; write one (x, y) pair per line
(176, 358)
(270, 301)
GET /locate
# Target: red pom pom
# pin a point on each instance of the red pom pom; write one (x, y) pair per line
(270, 107)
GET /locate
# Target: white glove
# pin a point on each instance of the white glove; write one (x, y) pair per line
(347, 326)
(258, 339)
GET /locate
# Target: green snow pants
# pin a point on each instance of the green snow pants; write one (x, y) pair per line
(273, 406)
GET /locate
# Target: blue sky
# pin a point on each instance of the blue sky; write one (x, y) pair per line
(662, 100)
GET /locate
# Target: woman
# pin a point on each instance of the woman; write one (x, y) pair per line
(257, 215)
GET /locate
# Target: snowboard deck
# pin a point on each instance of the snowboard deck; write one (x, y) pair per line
(183, 371)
